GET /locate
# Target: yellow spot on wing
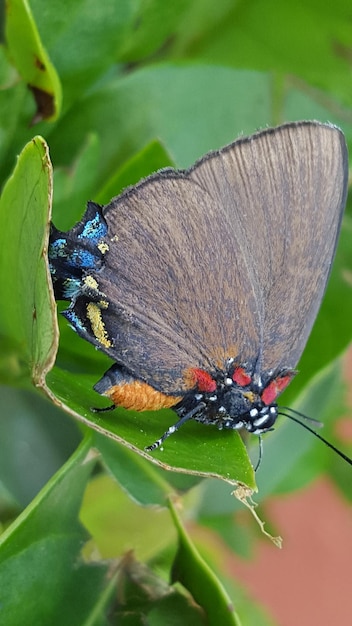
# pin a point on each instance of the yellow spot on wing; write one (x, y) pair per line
(103, 247)
(90, 282)
(97, 324)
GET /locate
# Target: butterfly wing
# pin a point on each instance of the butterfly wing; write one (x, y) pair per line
(286, 190)
(227, 259)
(171, 284)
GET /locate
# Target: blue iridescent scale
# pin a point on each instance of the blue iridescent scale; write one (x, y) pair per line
(72, 255)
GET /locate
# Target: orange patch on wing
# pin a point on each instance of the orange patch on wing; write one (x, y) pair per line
(140, 397)
(219, 356)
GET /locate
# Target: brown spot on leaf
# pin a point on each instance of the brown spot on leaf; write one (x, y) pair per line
(45, 104)
(39, 64)
(343, 51)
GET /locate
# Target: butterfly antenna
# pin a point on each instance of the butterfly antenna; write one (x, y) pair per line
(311, 430)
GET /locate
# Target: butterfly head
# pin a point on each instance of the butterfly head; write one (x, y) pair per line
(235, 398)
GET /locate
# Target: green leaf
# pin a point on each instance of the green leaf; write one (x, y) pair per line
(117, 523)
(192, 109)
(154, 21)
(12, 95)
(310, 39)
(145, 598)
(216, 553)
(142, 480)
(32, 60)
(96, 36)
(151, 158)
(145, 482)
(83, 39)
(43, 578)
(192, 571)
(76, 184)
(199, 450)
(28, 317)
(35, 440)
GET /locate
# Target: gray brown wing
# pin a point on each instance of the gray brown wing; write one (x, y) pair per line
(177, 283)
(283, 192)
(228, 259)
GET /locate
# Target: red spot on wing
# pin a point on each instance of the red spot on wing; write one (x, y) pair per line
(275, 387)
(201, 379)
(241, 377)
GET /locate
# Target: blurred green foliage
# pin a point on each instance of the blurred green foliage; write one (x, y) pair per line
(118, 90)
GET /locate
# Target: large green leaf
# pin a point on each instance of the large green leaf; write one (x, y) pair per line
(203, 451)
(192, 109)
(12, 95)
(32, 60)
(85, 39)
(145, 598)
(309, 39)
(35, 440)
(27, 318)
(151, 158)
(193, 572)
(118, 523)
(43, 578)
